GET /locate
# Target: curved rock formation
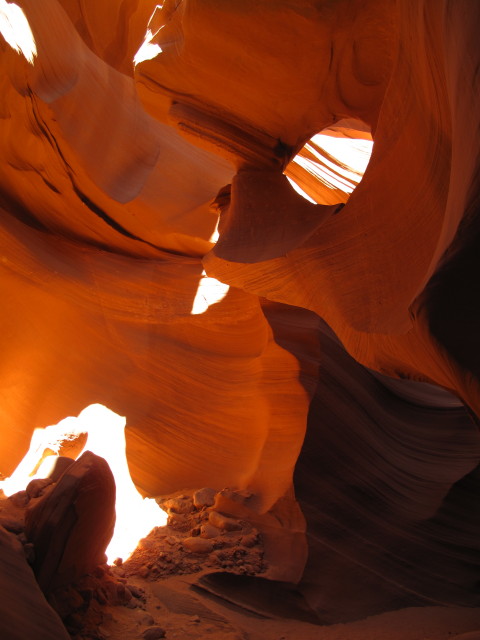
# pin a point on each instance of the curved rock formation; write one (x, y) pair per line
(113, 182)
(71, 526)
(25, 612)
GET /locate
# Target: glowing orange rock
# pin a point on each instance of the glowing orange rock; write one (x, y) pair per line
(131, 304)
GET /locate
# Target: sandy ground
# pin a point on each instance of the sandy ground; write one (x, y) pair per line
(188, 614)
(192, 580)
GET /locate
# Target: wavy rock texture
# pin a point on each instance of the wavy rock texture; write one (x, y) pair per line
(392, 515)
(107, 177)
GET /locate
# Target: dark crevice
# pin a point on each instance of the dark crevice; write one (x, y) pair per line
(103, 215)
(18, 210)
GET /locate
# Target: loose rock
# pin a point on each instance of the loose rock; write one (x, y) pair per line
(146, 619)
(198, 545)
(223, 522)
(204, 497)
(154, 633)
(143, 571)
(250, 540)
(192, 544)
(135, 591)
(209, 531)
(178, 505)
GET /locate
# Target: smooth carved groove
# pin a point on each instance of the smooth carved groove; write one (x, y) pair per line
(239, 141)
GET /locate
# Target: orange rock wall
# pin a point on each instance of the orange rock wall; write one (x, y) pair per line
(107, 175)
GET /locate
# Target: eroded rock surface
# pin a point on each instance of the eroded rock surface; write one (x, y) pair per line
(71, 526)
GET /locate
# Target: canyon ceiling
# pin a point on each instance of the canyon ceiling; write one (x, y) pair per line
(335, 355)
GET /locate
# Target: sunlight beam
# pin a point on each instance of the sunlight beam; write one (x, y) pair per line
(16, 30)
(148, 49)
(209, 291)
(135, 516)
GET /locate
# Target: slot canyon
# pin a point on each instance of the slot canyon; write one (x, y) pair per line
(240, 339)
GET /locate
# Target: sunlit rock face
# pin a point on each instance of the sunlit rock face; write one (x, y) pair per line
(109, 172)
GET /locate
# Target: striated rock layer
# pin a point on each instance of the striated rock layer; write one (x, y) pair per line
(113, 179)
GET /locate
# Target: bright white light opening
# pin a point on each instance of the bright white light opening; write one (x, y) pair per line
(300, 191)
(353, 153)
(338, 163)
(209, 292)
(148, 50)
(16, 30)
(215, 235)
(135, 516)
